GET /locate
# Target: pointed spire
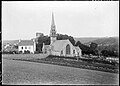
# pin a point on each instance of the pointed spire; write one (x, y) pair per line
(53, 23)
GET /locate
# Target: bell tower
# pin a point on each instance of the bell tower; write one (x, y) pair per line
(53, 31)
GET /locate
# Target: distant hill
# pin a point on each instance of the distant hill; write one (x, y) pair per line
(105, 41)
(86, 39)
(110, 43)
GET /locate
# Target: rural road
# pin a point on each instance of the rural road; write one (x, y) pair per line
(24, 72)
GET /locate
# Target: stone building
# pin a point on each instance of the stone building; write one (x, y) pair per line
(60, 47)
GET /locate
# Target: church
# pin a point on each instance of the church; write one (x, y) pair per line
(60, 47)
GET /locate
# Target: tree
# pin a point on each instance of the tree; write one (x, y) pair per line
(85, 49)
(41, 40)
(104, 52)
(63, 37)
(93, 46)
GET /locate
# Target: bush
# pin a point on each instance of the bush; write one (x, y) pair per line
(20, 52)
(52, 56)
(9, 52)
(27, 52)
(36, 52)
(15, 52)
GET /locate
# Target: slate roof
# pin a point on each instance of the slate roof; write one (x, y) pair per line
(58, 44)
(26, 42)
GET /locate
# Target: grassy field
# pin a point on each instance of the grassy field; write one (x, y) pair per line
(23, 56)
(43, 58)
(23, 72)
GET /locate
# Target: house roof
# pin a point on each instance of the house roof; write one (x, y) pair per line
(26, 42)
(58, 44)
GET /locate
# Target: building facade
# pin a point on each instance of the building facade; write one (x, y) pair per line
(27, 45)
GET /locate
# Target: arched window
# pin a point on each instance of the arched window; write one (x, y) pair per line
(73, 51)
(68, 49)
(61, 52)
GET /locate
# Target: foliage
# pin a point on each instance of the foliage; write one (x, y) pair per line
(26, 52)
(36, 52)
(109, 53)
(20, 52)
(41, 40)
(93, 45)
(15, 46)
(63, 37)
(9, 52)
(85, 49)
(89, 63)
(94, 49)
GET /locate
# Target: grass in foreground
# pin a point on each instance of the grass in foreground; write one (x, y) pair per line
(31, 73)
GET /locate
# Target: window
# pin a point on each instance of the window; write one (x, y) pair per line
(25, 47)
(68, 49)
(73, 51)
(29, 47)
(61, 52)
(21, 47)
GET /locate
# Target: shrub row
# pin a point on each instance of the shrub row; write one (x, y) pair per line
(89, 60)
(20, 52)
(62, 62)
(9, 52)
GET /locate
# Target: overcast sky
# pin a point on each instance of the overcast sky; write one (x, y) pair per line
(21, 20)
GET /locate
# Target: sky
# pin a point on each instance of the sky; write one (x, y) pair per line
(23, 19)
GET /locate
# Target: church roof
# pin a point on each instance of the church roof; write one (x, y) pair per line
(58, 44)
(26, 42)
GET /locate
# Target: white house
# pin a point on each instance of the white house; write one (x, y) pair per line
(60, 47)
(25, 45)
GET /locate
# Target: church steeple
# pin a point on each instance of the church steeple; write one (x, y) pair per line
(53, 30)
(53, 23)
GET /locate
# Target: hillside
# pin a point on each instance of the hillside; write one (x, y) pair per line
(111, 43)
(86, 39)
(105, 41)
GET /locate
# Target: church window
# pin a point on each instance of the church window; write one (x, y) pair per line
(68, 49)
(61, 52)
(73, 51)
(45, 50)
